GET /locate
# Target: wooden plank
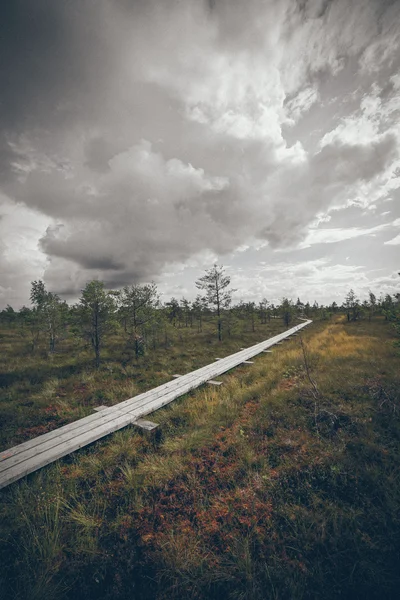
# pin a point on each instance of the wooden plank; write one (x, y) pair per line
(248, 362)
(234, 360)
(267, 351)
(71, 444)
(66, 433)
(245, 354)
(62, 444)
(45, 455)
(143, 424)
(61, 436)
(75, 425)
(90, 420)
(176, 375)
(31, 455)
(35, 462)
(212, 382)
(220, 367)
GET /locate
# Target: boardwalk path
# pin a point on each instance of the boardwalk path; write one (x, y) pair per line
(30, 456)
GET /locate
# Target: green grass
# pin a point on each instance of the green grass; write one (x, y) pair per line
(265, 487)
(40, 392)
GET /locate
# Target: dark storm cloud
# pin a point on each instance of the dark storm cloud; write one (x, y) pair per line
(147, 132)
(8, 158)
(48, 51)
(98, 152)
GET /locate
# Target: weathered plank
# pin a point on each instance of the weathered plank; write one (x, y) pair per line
(34, 454)
(212, 382)
(146, 425)
(137, 401)
(36, 461)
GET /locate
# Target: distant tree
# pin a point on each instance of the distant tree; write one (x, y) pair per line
(138, 304)
(250, 311)
(387, 306)
(199, 307)
(173, 311)
(153, 328)
(274, 310)
(352, 306)
(299, 307)
(8, 316)
(287, 311)
(49, 311)
(215, 283)
(29, 322)
(396, 320)
(186, 311)
(97, 312)
(23, 316)
(264, 311)
(371, 305)
(323, 313)
(391, 309)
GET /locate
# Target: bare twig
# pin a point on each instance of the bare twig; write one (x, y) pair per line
(315, 392)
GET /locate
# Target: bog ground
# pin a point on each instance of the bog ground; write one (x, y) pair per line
(282, 483)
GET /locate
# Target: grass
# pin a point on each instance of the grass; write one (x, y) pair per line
(39, 392)
(260, 488)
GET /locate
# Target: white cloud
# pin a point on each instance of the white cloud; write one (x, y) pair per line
(384, 47)
(331, 236)
(394, 242)
(300, 104)
(318, 279)
(21, 259)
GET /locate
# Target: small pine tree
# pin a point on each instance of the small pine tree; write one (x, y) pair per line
(96, 310)
(138, 304)
(215, 283)
(49, 311)
(352, 306)
(287, 310)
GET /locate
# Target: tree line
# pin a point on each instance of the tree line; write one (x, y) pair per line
(137, 311)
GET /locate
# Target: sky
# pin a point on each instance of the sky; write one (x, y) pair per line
(146, 140)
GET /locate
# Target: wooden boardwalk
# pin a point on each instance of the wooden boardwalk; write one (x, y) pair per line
(30, 456)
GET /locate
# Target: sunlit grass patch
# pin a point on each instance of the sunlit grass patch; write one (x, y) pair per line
(49, 390)
(157, 470)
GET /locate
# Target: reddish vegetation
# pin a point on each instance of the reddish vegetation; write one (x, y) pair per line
(52, 422)
(28, 433)
(223, 508)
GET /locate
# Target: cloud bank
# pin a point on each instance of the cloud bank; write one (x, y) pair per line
(141, 134)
